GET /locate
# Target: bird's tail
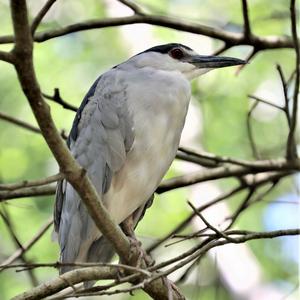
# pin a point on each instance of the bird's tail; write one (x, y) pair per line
(100, 250)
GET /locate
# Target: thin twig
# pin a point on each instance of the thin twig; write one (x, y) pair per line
(285, 94)
(218, 232)
(245, 184)
(247, 27)
(57, 99)
(27, 246)
(258, 99)
(241, 207)
(37, 20)
(223, 48)
(29, 266)
(291, 146)
(250, 133)
(200, 249)
(227, 171)
(33, 191)
(10, 228)
(217, 159)
(19, 123)
(202, 161)
(183, 224)
(27, 183)
(251, 55)
(133, 6)
(291, 77)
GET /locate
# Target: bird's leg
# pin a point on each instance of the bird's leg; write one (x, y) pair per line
(128, 228)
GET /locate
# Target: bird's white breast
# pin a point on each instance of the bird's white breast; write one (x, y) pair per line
(158, 102)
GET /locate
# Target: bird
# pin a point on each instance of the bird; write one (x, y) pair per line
(125, 135)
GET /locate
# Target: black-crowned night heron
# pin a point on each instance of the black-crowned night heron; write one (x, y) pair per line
(125, 135)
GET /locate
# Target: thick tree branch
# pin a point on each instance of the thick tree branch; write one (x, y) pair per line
(70, 278)
(230, 38)
(240, 168)
(227, 171)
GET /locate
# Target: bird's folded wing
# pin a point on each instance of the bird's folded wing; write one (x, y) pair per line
(101, 136)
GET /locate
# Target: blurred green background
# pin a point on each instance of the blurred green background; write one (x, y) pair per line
(72, 63)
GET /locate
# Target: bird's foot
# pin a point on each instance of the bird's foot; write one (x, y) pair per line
(138, 255)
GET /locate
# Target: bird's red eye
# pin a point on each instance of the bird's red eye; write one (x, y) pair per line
(176, 53)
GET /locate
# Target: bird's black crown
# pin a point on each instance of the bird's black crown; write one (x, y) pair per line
(165, 48)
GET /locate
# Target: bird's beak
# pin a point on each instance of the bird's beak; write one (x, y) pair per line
(203, 61)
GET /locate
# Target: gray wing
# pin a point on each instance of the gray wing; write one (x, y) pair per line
(101, 135)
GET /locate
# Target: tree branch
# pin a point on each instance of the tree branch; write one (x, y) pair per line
(285, 93)
(265, 102)
(26, 246)
(246, 183)
(26, 183)
(19, 123)
(230, 38)
(199, 250)
(70, 278)
(218, 159)
(227, 171)
(29, 266)
(57, 99)
(291, 146)
(255, 152)
(6, 56)
(37, 20)
(10, 228)
(133, 6)
(247, 27)
(27, 192)
(264, 168)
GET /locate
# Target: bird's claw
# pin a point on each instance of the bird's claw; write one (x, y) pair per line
(136, 248)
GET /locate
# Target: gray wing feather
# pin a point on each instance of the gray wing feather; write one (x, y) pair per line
(101, 136)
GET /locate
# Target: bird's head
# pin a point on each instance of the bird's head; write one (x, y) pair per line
(180, 58)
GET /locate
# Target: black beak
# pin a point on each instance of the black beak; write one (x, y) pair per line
(203, 61)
